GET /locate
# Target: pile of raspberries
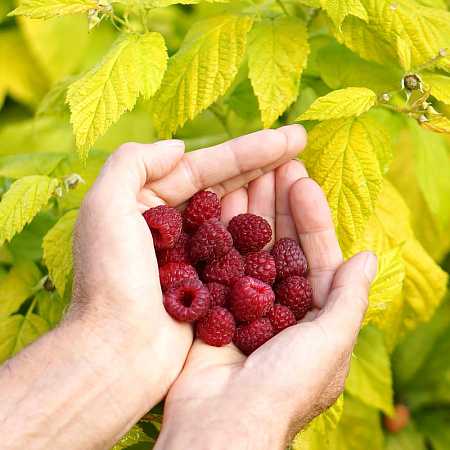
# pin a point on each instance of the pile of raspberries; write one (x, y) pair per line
(221, 278)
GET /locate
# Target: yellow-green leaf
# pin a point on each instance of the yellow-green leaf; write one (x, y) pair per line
(134, 436)
(16, 286)
(57, 247)
(348, 158)
(17, 166)
(50, 306)
(437, 124)
(348, 102)
(339, 9)
(22, 202)
(17, 331)
(438, 84)
(134, 64)
(278, 50)
(432, 169)
(200, 71)
(425, 29)
(404, 53)
(45, 9)
(370, 376)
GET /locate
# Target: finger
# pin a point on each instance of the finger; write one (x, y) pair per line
(233, 204)
(286, 176)
(347, 302)
(317, 236)
(228, 166)
(261, 199)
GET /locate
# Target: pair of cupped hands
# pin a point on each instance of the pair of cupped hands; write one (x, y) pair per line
(216, 397)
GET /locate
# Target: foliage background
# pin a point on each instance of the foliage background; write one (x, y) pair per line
(380, 152)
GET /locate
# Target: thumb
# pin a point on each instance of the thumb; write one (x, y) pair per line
(348, 299)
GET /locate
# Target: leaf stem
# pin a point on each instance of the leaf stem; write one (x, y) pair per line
(115, 18)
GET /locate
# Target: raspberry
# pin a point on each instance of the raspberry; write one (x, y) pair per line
(250, 299)
(219, 294)
(187, 300)
(211, 241)
(178, 253)
(204, 205)
(280, 317)
(295, 293)
(251, 336)
(250, 232)
(260, 265)
(289, 258)
(165, 225)
(225, 270)
(173, 272)
(217, 327)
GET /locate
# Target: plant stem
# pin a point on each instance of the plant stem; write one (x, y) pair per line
(115, 18)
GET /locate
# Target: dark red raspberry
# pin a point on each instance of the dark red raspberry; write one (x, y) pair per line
(178, 253)
(204, 205)
(225, 270)
(211, 241)
(219, 294)
(280, 317)
(173, 272)
(165, 225)
(294, 292)
(251, 336)
(217, 327)
(250, 232)
(260, 265)
(289, 258)
(250, 298)
(187, 300)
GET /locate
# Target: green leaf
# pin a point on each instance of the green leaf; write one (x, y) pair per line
(437, 124)
(54, 101)
(57, 247)
(21, 165)
(16, 286)
(341, 68)
(45, 9)
(243, 101)
(339, 9)
(22, 202)
(432, 169)
(50, 306)
(409, 438)
(387, 284)
(439, 85)
(348, 102)
(200, 71)
(434, 423)
(135, 435)
(134, 64)
(370, 376)
(348, 157)
(17, 331)
(424, 29)
(404, 53)
(277, 50)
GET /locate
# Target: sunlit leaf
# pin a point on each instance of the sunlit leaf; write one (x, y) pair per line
(45, 9)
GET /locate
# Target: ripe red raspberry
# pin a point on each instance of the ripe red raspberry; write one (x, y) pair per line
(187, 300)
(204, 205)
(211, 241)
(248, 337)
(294, 292)
(280, 317)
(250, 232)
(171, 273)
(289, 258)
(250, 298)
(225, 270)
(260, 265)
(165, 225)
(178, 253)
(217, 327)
(219, 294)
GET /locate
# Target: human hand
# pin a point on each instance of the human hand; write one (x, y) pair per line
(223, 399)
(116, 281)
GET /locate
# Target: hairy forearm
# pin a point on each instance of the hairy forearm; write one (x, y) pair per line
(73, 389)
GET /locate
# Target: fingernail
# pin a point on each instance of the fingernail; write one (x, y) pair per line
(170, 143)
(371, 266)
